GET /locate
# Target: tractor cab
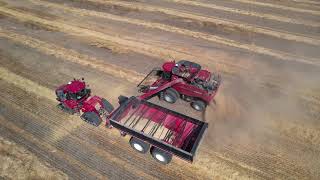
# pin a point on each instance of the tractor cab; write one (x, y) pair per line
(71, 95)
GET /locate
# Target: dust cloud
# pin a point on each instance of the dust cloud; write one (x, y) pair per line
(249, 105)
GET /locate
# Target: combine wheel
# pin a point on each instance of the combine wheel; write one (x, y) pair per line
(198, 105)
(139, 145)
(170, 95)
(107, 106)
(161, 156)
(91, 118)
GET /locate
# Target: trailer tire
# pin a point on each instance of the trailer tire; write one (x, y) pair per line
(199, 105)
(91, 118)
(170, 95)
(160, 155)
(139, 145)
(107, 105)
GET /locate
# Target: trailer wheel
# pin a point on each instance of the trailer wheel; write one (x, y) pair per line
(161, 156)
(107, 106)
(91, 118)
(139, 145)
(198, 105)
(170, 95)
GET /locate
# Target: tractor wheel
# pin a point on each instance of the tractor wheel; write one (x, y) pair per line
(170, 95)
(91, 118)
(122, 99)
(161, 156)
(107, 106)
(139, 145)
(198, 105)
(66, 109)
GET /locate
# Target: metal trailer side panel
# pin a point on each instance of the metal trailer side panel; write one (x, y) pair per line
(190, 145)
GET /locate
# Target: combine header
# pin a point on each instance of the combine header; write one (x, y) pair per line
(152, 128)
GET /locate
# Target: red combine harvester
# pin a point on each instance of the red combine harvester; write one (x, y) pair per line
(183, 79)
(162, 131)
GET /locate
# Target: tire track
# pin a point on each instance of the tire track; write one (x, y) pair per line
(208, 37)
(232, 24)
(248, 13)
(46, 146)
(276, 6)
(43, 155)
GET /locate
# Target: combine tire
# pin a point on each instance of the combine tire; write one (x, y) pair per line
(198, 105)
(170, 95)
(107, 106)
(161, 156)
(139, 145)
(91, 118)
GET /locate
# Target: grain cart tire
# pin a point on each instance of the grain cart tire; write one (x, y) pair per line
(170, 95)
(139, 145)
(198, 105)
(160, 155)
(107, 105)
(91, 118)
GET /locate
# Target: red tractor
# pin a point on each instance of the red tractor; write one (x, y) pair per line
(187, 80)
(153, 128)
(75, 97)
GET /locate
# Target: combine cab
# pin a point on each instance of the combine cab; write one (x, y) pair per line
(187, 81)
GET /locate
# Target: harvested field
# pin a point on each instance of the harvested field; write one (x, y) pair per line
(266, 121)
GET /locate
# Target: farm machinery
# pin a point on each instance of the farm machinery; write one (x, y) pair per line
(153, 128)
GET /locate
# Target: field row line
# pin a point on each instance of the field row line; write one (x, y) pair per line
(125, 43)
(233, 24)
(277, 6)
(143, 48)
(49, 148)
(306, 1)
(73, 56)
(248, 13)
